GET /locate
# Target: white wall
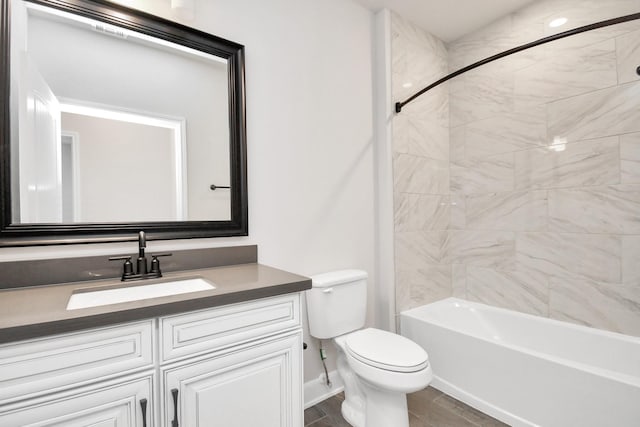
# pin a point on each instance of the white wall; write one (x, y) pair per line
(310, 137)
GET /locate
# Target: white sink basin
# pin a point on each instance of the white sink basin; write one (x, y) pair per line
(86, 299)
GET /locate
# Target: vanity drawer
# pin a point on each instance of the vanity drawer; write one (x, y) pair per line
(216, 329)
(44, 365)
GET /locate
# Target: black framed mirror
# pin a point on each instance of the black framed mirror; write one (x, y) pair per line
(116, 121)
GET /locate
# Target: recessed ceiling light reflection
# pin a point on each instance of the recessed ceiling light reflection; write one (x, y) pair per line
(407, 84)
(558, 144)
(558, 22)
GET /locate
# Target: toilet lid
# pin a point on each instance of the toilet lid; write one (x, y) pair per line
(385, 350)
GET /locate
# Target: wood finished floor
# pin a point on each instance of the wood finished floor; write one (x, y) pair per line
(427, 408)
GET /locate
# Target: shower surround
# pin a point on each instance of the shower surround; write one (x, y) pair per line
(517, 184)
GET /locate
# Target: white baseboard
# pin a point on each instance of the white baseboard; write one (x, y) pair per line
(315, 391)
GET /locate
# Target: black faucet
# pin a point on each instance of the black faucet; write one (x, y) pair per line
(142, 260)
(142, 271)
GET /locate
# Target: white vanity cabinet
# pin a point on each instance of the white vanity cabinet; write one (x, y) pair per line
(234, 365)
(248, 368)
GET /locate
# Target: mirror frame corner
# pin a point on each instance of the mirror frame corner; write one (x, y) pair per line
(73, 233)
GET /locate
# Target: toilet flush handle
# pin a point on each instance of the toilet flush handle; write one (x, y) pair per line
(327, 291)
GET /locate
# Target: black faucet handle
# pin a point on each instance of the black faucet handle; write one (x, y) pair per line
(127, 268)
(162, 254)
(155, 263)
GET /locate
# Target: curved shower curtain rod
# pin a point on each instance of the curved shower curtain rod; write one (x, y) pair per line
(520, 48)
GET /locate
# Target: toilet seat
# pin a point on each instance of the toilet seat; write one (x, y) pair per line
(387, 351)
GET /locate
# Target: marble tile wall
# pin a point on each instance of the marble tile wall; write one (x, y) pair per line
(545, 168)
(421, 168)
(518, 184)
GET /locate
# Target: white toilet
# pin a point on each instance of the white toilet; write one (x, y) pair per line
(378, 367)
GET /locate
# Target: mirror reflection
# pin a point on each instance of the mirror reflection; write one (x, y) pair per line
(109, 125)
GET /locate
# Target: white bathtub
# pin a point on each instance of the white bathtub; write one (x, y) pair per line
(527, 370)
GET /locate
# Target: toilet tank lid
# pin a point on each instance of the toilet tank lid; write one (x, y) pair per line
(337, 277)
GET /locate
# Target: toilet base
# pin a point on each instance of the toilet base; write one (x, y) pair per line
(384, 408)
(353, 407)
(352, 414)
(381, 409)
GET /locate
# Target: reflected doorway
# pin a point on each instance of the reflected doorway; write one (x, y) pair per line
(70, 176)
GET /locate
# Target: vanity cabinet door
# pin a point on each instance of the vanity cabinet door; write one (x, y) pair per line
(108, 404)
(258, 385)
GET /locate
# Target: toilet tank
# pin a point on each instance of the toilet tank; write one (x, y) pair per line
(337, 303)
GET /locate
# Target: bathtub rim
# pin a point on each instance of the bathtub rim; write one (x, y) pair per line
(591, 369)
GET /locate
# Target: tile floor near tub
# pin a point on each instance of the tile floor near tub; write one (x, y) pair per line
(427, 408)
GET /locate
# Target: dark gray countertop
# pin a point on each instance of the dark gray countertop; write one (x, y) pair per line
(41, 310)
